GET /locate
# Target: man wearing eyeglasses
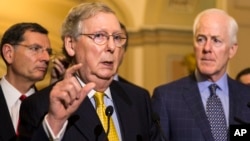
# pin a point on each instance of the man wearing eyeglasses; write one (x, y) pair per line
(25, 49)
(60, 63)
(69, 110)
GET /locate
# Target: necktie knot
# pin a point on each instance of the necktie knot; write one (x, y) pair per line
(99, 98)
(212, 89)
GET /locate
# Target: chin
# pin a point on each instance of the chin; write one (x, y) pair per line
(106, 76)
(39, 77)
(206, 70)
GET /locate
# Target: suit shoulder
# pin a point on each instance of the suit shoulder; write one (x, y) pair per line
(132, 87)
(239, 88)
(176, 83)
(39, 96)
(130, 90)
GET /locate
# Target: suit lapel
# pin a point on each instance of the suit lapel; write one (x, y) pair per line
(6, 129)
(123, 105)
(192, 96)
(87, 122)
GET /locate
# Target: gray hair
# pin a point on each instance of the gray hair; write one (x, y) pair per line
(73, 22)
(232, 24)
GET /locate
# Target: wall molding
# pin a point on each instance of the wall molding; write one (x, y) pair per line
(160, 35)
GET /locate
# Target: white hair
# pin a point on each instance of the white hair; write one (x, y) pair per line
(232, 24)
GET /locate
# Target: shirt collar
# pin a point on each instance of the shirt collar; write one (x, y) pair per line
(204, 83)
(10, 93)
(92, 92)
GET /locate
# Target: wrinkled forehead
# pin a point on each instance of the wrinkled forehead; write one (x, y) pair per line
(107, 22)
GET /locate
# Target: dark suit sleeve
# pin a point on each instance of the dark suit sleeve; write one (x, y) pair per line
(151, 125)
(154, 130)
(159, 109)
(32, 111)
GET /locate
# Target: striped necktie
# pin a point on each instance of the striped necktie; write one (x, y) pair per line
(100, 109)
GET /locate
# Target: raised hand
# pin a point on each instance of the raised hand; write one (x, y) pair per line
(60, 64)
(65, 98)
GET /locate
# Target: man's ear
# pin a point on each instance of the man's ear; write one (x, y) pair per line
(8, 53)
(233, 50)
(69, 45)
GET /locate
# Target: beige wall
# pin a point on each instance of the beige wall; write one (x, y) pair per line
(160, 32)
(155, 56)
(240, 9)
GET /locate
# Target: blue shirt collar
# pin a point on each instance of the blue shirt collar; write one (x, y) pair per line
(203, 83)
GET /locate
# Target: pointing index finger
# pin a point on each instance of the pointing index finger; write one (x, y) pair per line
(72, 70)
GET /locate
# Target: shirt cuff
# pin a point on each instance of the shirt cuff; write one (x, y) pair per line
(50, 133)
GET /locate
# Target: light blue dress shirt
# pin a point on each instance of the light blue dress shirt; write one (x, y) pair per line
(108, 101)
(222, 92)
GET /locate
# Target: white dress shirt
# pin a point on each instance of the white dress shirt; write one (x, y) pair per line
(11, 95)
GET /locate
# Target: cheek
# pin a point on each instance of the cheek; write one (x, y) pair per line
(223, 54)
(26, 57)
(82, 53)
(120, 56)
(196, 48)
(197, 52)
(88, 57)
(18, 62)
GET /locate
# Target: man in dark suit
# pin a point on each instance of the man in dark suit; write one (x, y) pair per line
(184, 105)
(67, 110)
(25, 49)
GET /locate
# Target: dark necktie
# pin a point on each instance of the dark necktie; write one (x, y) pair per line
(216, 116)
(22, 97)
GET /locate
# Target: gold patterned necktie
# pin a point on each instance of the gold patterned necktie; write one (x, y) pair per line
(100, 109)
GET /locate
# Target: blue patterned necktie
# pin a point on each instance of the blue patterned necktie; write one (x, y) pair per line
(216, 116)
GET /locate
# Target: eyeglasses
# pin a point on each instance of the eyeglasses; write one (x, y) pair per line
(37, 49)
(102, 38)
